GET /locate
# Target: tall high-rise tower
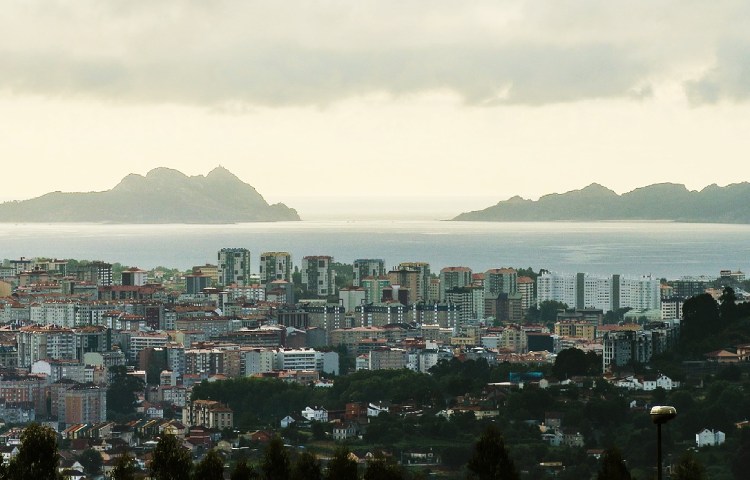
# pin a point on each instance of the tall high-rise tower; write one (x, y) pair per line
(234, 266)
(318, 275)
(367, 267)
(275, 266)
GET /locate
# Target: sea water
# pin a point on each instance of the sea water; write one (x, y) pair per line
(662, 249)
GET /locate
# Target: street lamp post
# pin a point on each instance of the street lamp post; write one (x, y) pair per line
(660, 415)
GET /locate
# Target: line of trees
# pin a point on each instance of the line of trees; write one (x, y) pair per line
(38, 459)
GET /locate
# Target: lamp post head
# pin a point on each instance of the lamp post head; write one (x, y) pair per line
(662, 414)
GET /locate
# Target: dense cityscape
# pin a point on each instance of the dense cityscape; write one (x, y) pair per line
(321, 355)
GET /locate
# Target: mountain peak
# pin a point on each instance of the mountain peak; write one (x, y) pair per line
(598, 188)
(168, 195)
(161, 173)
(221, 173)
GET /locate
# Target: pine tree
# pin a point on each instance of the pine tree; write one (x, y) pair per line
(244, 471)
(613, 466)
(307, 467)
(689, 468)
(490, 460)
(38, 456)
(210, 468)
(342, 466)
(276, 465)
(380, 469)
(124, 469)
(91, 460)
(171, 460)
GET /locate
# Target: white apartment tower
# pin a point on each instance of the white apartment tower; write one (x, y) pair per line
(234, 266)
(581, 290)
(500, 280)
(275, 266)
(453, 277)
(367, 267)
(318, 275)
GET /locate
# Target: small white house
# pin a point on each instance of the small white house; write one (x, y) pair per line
(630, 382)
(375, 410)
(647, 383)
(318, 414)
(286, 421)
(345, 431)
(709, 438)
(660, 380)
(554, 438)
(8, 452)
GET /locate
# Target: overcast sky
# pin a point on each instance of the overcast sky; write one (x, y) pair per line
(478, 100)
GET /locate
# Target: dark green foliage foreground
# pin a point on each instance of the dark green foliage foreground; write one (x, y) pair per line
(490, 460)
(342, 466)
(37, 458)
(125, 468)
(171, 460)
(613, 466)
(210, 468)
(122, 393)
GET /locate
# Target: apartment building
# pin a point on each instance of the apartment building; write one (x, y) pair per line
(367, 267)
(208, 413)
(275, 266)
(454, 277)
(234, 266)
(318, 275)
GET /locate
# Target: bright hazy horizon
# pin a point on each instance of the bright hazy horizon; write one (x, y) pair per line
(355, 106)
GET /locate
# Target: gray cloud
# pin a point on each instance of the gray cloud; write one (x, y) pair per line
(268, 53)
(729, 79)
(291, 75)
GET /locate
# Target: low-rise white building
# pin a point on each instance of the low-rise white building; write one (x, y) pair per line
(647, 383)
(317, 414)
(709, 438)
(375, 410)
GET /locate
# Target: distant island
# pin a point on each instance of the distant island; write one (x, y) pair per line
(164, 195)
(663, 201)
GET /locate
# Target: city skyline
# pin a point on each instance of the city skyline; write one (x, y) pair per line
(470, 103)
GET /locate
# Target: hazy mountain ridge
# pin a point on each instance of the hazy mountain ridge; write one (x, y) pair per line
(661, 201)
(163, 195)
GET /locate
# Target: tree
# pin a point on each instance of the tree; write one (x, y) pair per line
(741, 460)
(122, 392)
(615, 316)
(546, 312)
(700, 319)
(307, 467)
(342, 466)
(728, 307)
(570, 362)
(210, 468)
(38, 457)
(91, 460)
(171, 460)
(490, 460)
(380, 469)
(125, 468)
(244, 471)
(689, 468)
(276, 465)
(318, 430)
(613, 466)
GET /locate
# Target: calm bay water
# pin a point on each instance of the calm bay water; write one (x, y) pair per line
(663, 249)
